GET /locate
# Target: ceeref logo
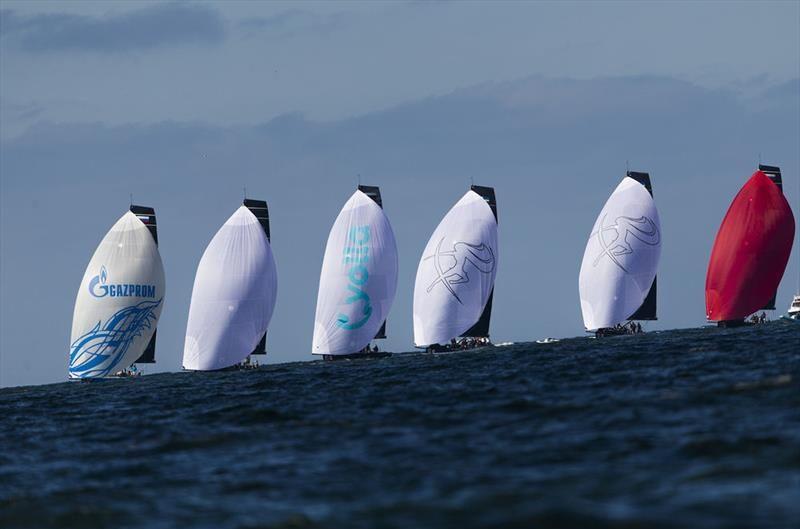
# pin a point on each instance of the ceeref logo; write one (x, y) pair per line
(99, 288)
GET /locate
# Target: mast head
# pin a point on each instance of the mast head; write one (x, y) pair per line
(642, 178)
(373, 192)
(773, 172)
(261, 211)
(487, 193)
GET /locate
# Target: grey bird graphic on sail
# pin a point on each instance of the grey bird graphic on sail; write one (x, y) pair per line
(615, 239)
(453, 266)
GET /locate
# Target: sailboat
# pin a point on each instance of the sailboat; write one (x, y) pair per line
(119, 300)
(454, 288)
(234, 293)
(751, 250)
(617, 281)
(358, 281)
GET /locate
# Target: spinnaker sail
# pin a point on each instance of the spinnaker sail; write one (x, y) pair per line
(750, 252)
(621, 258)
(233, 295)
(119, 300)
(456, 274)
(358, 281)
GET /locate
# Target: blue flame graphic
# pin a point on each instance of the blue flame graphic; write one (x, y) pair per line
(96, 353)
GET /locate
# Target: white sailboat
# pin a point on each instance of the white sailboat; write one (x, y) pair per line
(234, 293)
(358, 279)
(119, 300)
(455, 279)
(617, 280)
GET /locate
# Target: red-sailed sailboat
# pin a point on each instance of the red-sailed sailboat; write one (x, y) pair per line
(751, 250)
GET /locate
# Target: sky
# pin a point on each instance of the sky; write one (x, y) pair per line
(184, 104)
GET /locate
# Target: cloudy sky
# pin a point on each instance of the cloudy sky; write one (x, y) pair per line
(183, 104)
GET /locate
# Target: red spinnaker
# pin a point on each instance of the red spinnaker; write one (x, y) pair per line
(750, 252)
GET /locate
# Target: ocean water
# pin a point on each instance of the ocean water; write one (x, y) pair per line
(689, 428)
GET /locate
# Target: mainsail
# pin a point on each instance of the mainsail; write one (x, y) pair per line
(148, 217)
(261, 211)
(233, 295)
(751, 250)
(621, 258)
(455, 277)
(359, 277)
(119, 300)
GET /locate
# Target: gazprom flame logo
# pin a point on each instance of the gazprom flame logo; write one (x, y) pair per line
(616, 239)
(98, 352)
(100, 288)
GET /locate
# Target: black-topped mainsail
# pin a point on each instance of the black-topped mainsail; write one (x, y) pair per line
(649, 308)
(148, 217)
(261, 211)
(481, 327)
(374, 192)
(773, 173)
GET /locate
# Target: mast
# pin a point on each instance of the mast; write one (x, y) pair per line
(148, 217)
(261, 211)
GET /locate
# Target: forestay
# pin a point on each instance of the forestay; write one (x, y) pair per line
(621, 257)
(233, 295)
(456, 272)
(119, 301)
(358, 280)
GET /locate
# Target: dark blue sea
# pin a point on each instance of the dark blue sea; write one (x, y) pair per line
(689, 428)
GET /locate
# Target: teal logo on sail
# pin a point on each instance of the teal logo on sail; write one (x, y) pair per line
(355, 258)
(100, 288)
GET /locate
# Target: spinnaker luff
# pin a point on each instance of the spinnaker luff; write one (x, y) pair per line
(751, 250)
(358, 281)
(234, 293)
(454, 286)
(119, 300)
(617, 280)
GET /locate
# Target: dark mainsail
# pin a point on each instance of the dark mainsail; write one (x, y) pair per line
(261, 211)
(148, 217)
(648, 309)
(374, 192)
(773, 173)
(481, 327)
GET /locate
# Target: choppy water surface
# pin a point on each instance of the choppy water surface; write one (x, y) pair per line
(676, 429)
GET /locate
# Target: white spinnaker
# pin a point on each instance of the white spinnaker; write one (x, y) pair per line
(118, 303)
(358, 280)
(621, 257)
(456, 273)
(233, 295)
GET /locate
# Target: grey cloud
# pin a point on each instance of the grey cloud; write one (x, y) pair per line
(291, 22)
(155, 26)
